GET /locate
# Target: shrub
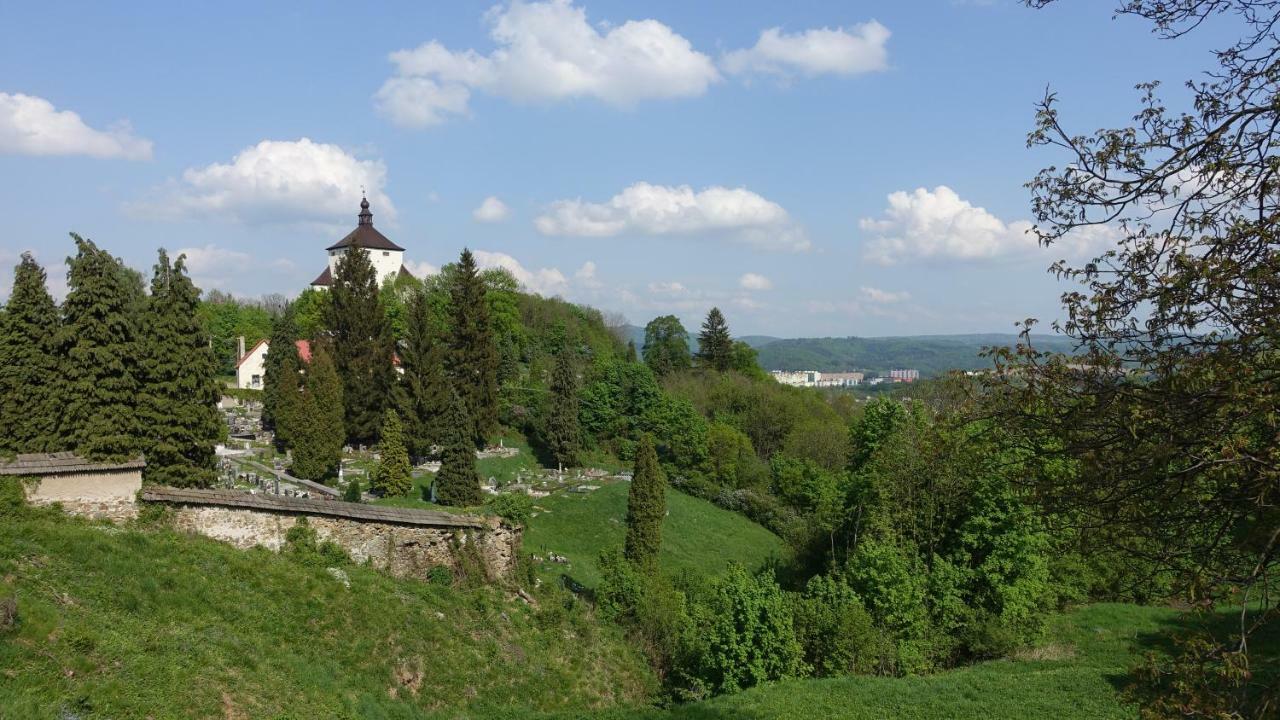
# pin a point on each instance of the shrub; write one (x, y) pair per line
(13, 497)
(835, 630)
(301, 543)
(516, 509)
(352, 491)
(440, 576)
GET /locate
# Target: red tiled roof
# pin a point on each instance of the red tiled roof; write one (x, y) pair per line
(304, 350)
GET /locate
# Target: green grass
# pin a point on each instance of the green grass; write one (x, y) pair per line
(697, 536)
(123, 623)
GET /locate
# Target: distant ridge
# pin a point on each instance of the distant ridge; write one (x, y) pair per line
(930, 354)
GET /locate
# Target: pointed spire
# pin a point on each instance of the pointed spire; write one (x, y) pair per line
(366, 217)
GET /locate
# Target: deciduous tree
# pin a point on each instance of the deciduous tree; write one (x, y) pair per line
(666, 346)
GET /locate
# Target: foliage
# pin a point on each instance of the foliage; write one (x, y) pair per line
(393, 475)
(362, 345)
(179, 404)
(30, 373)
(285, 385)
(646, 507)
(666, 346)
(835, 630)
(309, 310)
(744, 635)
(100, 346)
(13, 496)
(226, 319)
(561, 433)
(731, 461)
(473, 357)
(282, 352)
(302, 543)
(515, 508)
(715, 345)
(352, 492)
(317, 437)
(422, 392)
(457, 483)
(680, 433)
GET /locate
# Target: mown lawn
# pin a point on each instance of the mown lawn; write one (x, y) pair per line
(697, 536)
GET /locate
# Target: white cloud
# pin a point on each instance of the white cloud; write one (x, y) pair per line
(839, 51)
(664, 210)
(544, 281)
(545, 51)
(883, 297)
(586, 276)
(277, 181)
(420, 268)
(212, 266)
(492, 210)
(667, 288)
(31, 125)
(934, 225)
(754, 281)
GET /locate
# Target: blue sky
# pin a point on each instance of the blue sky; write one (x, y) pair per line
(857, 171)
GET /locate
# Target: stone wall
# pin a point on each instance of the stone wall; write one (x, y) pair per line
(409, 548)
(107, 495)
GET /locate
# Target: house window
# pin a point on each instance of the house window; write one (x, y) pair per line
(385, 253)
(255, 381)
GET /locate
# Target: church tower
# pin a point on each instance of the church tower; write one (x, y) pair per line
(386, 257)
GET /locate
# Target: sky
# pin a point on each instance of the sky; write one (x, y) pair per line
(812, 168)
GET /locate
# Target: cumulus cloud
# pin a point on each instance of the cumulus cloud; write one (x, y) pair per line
(544, 281)
(276, 181)
(883, 297)
(836, 51)
(649, 209)
(545, 51)
(932, 225)
(31, 125)
(492, 210)
(754, 281)
(667, 288)
(420, 268)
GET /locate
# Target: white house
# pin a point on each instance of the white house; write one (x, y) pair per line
(386, 257)
(251, 366)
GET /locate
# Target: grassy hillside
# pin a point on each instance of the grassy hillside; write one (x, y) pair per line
(930, 354)
(696, 535)
(121, 623)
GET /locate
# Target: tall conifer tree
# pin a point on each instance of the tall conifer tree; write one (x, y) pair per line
(99, 342)
(362, 344)
(715, 346)
(562, 434)
(422, 395)
(286, 385)
(280, 348)
(394, 474)
(317, 435)
(473, 361)
(646, 507)
(30, 376)
(180, 387)
(458, 483)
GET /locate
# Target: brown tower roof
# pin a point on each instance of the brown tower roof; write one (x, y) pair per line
(365, 236)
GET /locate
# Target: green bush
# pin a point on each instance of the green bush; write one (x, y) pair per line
(13, 497)
(440, 575)
(515, 508)
(301, 543)
(835, 630)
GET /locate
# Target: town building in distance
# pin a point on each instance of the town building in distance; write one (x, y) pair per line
(814, 378)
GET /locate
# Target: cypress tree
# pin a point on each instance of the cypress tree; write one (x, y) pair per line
(715, 346)
(422, 394)
(286, 386)
(318, 432)
(473, 356)
(280, 348)
(180, 387)
(646, 507)
(394, 474)
(30, 376)
(361, 333)
(458, 483)
(99, 343)
(561, 433)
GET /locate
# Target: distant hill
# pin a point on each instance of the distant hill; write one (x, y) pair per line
(930, 354)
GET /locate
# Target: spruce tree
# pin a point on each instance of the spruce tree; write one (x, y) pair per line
(422, 394)
(317, 435)
(631, 351)
(286, 387)
(180, 389)
(362, 345)
(458, 483)
(280, 348)
(394, 474)
(715, 346)
(646, 507)
(561, 433)
(99, 343)
(30, 375)
(473, 356)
